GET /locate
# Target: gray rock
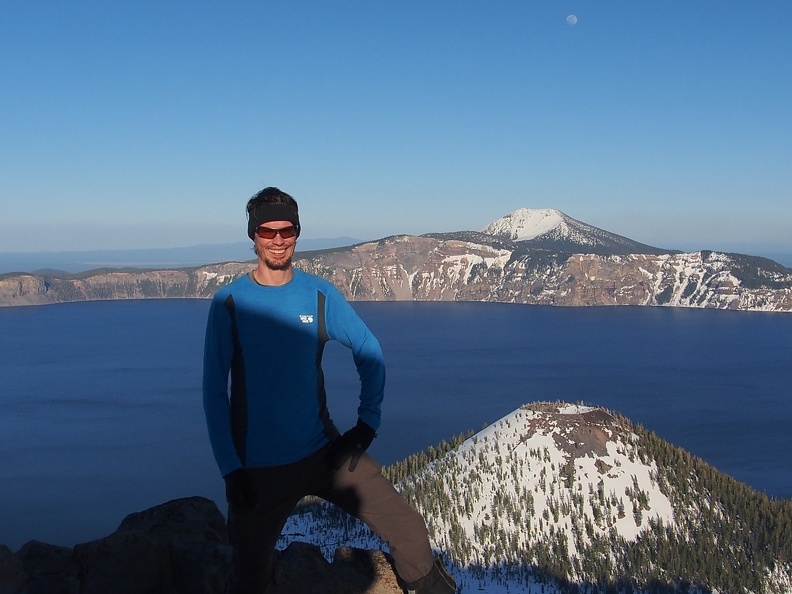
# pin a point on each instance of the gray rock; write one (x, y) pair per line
(177, 547)
(50, 569)
(301, 569)
(181, 547)
(12, 574)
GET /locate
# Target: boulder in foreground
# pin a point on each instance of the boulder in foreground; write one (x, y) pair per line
(181, 547)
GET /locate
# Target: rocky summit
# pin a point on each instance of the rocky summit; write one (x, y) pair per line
(181, 547)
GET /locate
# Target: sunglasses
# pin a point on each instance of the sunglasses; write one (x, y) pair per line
(270, 233)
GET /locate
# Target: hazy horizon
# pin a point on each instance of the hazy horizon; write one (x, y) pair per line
(197, 255)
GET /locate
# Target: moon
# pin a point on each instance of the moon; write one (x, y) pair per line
(572, 19)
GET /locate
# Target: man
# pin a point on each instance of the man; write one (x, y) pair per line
(270, 429)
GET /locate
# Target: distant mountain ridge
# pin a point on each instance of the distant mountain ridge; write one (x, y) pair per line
(74, 262)
(533, 257)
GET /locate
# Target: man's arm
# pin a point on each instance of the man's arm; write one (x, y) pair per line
(345, 326)
(218, 353)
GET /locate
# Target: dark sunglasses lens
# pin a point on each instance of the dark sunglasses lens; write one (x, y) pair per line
(268, 233)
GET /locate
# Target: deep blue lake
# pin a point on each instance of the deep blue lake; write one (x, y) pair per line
(101, 416)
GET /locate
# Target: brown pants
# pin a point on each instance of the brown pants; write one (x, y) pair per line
(364, 494)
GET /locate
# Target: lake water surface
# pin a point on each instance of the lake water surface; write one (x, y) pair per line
(101, 416)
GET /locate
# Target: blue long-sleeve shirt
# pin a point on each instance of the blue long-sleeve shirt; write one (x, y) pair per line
(263, 386)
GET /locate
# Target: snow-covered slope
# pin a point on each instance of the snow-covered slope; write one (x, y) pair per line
(538, 471)
(555, 494)
(525, 223)
(549, 228)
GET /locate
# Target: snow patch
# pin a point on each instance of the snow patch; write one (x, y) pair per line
(525, 223)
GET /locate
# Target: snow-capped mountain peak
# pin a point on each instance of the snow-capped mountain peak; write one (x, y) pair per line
(555, 493)
(525, 223)
(551, 229)
(545, 473)
(575, 464)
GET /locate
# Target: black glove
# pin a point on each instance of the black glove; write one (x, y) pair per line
(351, 445)
(239, 488)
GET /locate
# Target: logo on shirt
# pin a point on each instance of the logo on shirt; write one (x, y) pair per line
(306, 318)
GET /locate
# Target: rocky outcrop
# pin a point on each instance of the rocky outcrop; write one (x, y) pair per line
(448, 269)
(181, 547)
(102, 284)
(460, 267)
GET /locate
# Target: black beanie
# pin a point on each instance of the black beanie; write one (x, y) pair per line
(266, 212)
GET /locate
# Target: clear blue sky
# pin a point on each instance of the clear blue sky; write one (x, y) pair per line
(149, 124)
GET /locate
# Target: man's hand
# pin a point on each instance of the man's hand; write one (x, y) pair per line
(239, 488)
(350, 446)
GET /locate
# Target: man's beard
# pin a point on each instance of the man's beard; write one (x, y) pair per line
(282, 265)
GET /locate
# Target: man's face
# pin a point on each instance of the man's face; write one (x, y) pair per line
(276, 252)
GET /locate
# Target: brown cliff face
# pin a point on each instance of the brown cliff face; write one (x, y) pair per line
(407, 268)
(23, 289)
(118, 284)
(431, 269)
